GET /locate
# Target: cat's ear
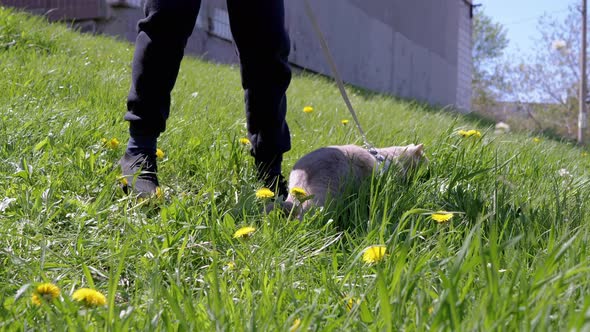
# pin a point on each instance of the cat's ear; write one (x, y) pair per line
(418, 149)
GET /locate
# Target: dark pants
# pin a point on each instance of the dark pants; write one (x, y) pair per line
(262, 44)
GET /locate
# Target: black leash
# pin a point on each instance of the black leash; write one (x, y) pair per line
(339, 81)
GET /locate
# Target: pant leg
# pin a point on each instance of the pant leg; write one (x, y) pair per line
(159, 49)
(262, 42)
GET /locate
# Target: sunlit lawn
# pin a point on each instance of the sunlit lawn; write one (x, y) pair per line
(513, 255)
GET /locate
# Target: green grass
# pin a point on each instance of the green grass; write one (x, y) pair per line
(514, 256)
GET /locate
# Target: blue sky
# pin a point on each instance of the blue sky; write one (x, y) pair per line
(520, 18)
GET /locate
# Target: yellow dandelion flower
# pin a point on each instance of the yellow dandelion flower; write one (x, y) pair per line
(264, 193)
(89, 297)
(344, 122)
(296, 324)
(441, 216)
(113, 143)
(124, 181)
(231, 265)
(469, 133)
(298, 192)
(47, 291)
(307, 109)
(536, 139)
(244, 232)
(244, 141)
(374, 254)
(159, 192)
(351, 302)
(160, 154)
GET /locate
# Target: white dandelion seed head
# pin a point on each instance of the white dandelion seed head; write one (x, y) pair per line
(564, 172)
(559, 45)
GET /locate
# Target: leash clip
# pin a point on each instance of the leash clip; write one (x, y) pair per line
(376, 154)
(382, 162)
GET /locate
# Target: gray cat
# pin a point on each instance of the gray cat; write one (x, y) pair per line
(322, 173)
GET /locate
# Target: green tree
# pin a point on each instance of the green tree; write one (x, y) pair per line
(547, 82)
(489, 79)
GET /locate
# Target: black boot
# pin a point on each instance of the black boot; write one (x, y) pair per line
(270, 174)
(277, 184)
(139, 172)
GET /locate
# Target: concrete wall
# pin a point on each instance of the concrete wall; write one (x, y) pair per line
(63, 9)
(413, 49)
(417, 49)
(464, 61)
(211, 38)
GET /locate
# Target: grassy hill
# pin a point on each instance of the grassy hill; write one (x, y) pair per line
(513, 257)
